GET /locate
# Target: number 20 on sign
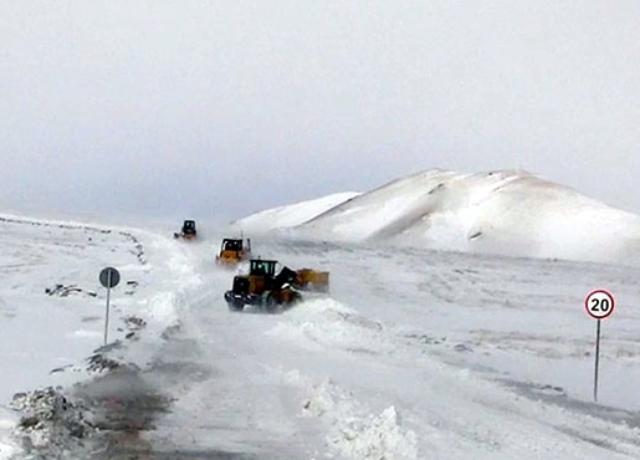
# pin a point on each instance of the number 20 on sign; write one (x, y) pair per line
(599, 305)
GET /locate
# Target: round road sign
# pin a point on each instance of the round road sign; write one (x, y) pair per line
(109, 277)
(600, 304)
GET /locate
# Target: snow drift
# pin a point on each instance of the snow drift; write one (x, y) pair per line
(500, 212)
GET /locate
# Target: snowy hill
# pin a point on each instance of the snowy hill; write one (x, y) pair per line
(291, 215)
(502, 212)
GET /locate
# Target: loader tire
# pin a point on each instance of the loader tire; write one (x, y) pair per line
(235, 306)
(271, 304)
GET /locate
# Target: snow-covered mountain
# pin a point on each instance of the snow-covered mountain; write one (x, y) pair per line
(291, 215)
(501, 212)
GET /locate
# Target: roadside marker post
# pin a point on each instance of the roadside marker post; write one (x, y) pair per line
(109, 278)
(599, 304)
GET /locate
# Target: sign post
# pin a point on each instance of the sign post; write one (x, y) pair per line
(109, 277)
(599, 305)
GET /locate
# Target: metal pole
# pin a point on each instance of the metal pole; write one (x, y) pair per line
(106, 320)
(595, 378)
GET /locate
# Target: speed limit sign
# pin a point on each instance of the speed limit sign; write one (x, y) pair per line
(600, 304)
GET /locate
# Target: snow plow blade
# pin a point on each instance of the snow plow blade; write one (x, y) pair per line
(312, 280)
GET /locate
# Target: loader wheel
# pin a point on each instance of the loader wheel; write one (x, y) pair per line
(235, 306)
(271, 303)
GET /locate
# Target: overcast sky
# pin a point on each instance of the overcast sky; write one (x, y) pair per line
(202, 108)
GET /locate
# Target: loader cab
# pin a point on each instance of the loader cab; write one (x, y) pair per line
(259, 267)
(189, 227)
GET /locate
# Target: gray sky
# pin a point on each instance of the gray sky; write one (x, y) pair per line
(223, 107)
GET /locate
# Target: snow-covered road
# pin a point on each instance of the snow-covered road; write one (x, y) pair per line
(415, 355)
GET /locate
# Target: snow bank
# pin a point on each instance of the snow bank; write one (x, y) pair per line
(355, 433)
(290, 215)
(353, 430)
(502, 212)
(7, 445)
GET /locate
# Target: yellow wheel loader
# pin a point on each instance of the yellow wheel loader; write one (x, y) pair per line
(188, 231)
(263, 289)
(233, 251)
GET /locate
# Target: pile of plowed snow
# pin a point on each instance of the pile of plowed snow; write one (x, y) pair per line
(502, 212)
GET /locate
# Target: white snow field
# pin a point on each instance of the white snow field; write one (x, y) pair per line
(415, 354)
(52, 306)
(500, 212)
